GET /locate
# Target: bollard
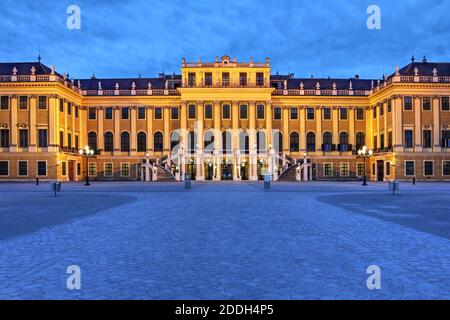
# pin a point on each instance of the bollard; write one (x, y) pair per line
(414, 181)
(37, 181)
(56, 187)
(394, 186)
(267, 179)
(187, 182)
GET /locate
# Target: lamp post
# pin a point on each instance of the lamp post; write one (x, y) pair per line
(365, 154)
(87, 153)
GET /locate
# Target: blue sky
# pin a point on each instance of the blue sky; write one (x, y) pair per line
(127, 38)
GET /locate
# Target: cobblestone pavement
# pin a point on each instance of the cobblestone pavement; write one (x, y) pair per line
(224, 241)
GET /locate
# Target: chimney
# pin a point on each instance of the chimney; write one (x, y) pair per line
(356, 76)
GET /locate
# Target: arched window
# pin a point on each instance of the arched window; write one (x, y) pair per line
(109, 142)
(360, 140)
(294, 142)
(158, 142)
(226, 141)
(343, 142)
(125, 142)
(92, 140)
(261, 142)
(244, 145)
(174, 141)
(209, 141)
(141, 142)
(327, 141)
(278, 141)
(192, 141)
(311, 142)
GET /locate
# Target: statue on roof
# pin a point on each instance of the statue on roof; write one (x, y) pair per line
(133, 86)
(285, 84)
(149, 85)
(33, 70)
(117, 86)
(99, 85)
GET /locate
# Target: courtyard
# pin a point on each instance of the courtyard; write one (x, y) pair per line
(225, 240)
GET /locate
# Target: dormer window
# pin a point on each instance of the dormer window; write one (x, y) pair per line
(225, 78)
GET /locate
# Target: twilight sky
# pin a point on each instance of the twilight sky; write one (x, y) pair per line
(121, 38)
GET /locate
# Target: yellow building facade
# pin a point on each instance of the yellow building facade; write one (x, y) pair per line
(225, 120)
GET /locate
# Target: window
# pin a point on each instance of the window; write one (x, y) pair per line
(260, 112)
(125, 142)
(42, 102)
(69, 140)
(141, 113)
(343, 113)
(428, 169)
(225, 78)
(374, 170)
(125, 113)
(389, 105)
(243, 112)
(343, 142)
(191, 111)
(174, 113)
(4, 168)
(381, 110)
(310, 113)
(408, 138)
(243, 79)
(445, 138)
(23, 168)
(76, 142)
(109, 142)
(108, 169)
(328, 169)
(208, 112)
(260, 79)
(344, 170)
(294, 142)
(78, 169)
(92, 140)
(326, 113)
(92, 169)
(374, 112)
(360, 169)
(294, 113)
(327, 141)
(409, 168)
(226, 113)
(125, 170)
(61, 139)
(4, 103)
(382, 141)
(23, 138)
(426, 138)
(407, 103)
(76, 111)
(69, 109)
(109, 113)
(208, 79)
(277, 113)
(158, 141)
(141, 142)
(445, 103)
(158, 113)
(61, 105)
(360, 140)
(92, 114)
(375, 142)
(311, 141)
(446, 168)
(42, 168)
(63, 168)
(23, 102)
(191, 79)
(389, 139)
(426, 104)
(388, 168)
(42, 138)
(359, 113)
(4, 138)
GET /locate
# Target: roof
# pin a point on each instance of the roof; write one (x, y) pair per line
(24, 68)
(426, 69)
(327, 84)
(127, 83)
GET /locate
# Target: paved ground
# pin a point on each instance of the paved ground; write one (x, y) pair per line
(224, 241)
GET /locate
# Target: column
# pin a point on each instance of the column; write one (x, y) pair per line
(116, 130)
(436, 125)
(378, 126)
(302, 118)
(14, 107)
(166, 119)
(335, 125)
(83, 126)
(57, 119)
(268, 124)
(369, 127)
(253, 156)
(183, 124)
(386, 132)
(200, 141)
(319, 128)
(150, 129)
(285, 118)
(66, 105)
(235, 125)
(217, 141)
(417, 124)
(133, 134)
(351, 134)
(33, 107)
(398, 124)
(73, 126)
(100, 133)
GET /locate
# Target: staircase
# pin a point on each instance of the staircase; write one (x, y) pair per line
(164, 175)
(289, 174)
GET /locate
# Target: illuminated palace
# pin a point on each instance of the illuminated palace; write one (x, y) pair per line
(225, 120)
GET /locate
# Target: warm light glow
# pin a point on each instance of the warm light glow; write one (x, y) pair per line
(81, 152)
(370, 152)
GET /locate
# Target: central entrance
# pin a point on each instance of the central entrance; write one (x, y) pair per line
(209, 171)
(227, 170)
(380, 170)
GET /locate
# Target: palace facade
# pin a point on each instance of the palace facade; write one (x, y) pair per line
(225, 120)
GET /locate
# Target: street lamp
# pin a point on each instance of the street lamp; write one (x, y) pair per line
(365, 154)
(87, 153)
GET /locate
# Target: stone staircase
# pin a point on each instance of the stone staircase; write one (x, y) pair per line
(288, 174)
(164, 175)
